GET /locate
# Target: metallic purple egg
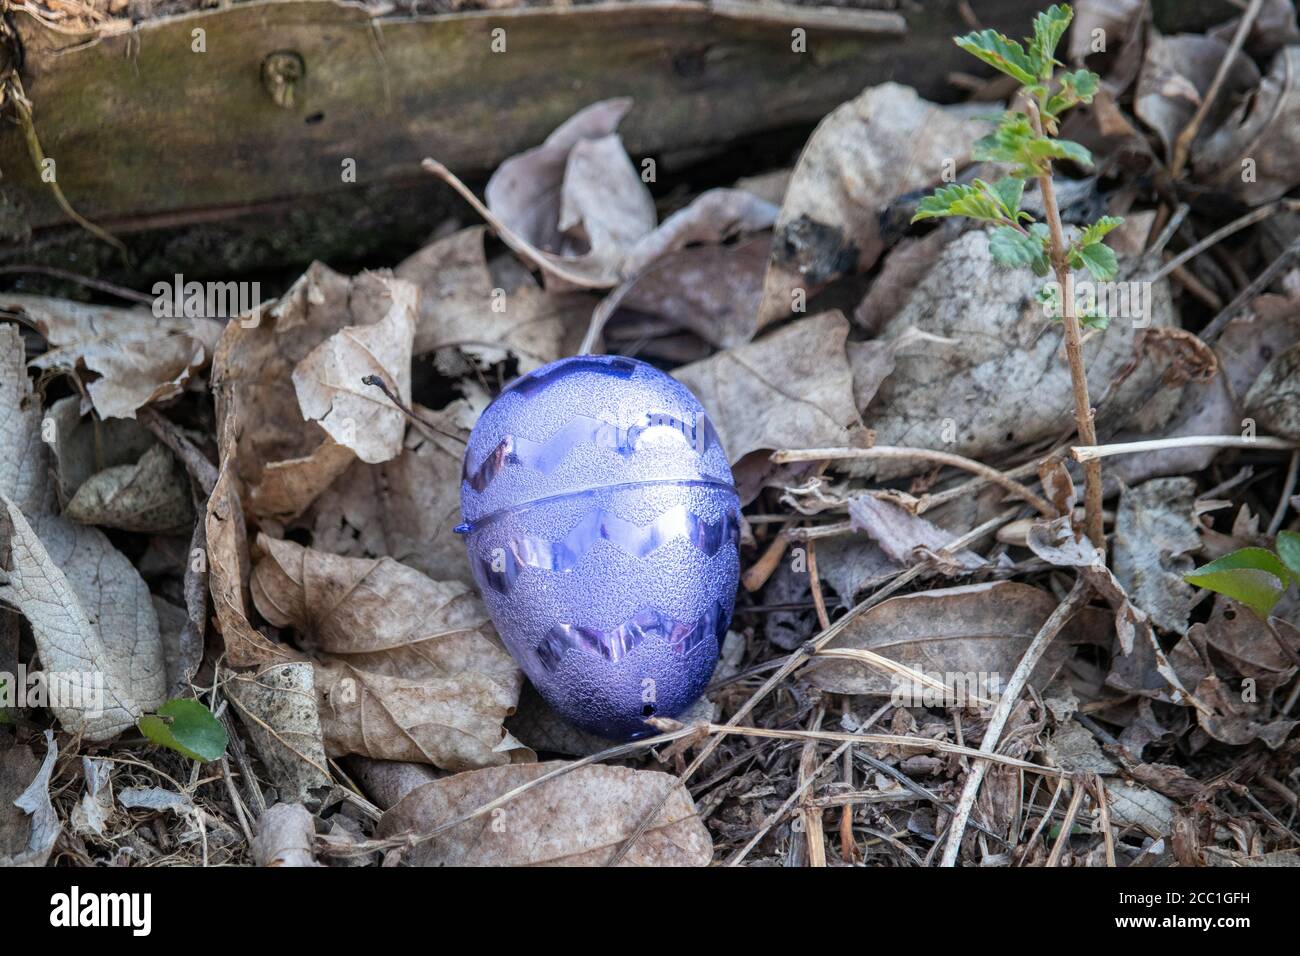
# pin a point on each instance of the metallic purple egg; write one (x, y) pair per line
(603, 529)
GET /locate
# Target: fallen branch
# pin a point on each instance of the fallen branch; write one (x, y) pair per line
(788, 455)
(1073, 602)
(1093, 452)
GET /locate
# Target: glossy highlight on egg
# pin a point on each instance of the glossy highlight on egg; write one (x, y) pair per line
(603, 526)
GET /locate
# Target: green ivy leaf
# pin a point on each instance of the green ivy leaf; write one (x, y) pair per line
(1011, 247)
(186, 726)
(1254, 577)
(1288, 550)
(1002, 53)
(1049, 27)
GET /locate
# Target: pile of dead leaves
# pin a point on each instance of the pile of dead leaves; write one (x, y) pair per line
(257, 512)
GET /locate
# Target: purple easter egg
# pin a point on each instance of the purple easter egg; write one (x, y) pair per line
(603, 530)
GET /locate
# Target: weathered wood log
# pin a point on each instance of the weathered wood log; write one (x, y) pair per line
(221, 140)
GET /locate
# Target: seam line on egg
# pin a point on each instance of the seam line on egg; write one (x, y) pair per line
(525, 505)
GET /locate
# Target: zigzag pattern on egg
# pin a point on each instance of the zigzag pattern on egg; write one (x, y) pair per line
(546, 455)
(616, 642)
(636, 541)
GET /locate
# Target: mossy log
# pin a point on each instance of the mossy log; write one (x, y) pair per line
(231, 133)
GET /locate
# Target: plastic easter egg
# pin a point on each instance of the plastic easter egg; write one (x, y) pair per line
(603, 529)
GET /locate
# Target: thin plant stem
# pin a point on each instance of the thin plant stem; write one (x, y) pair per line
(1073, 351)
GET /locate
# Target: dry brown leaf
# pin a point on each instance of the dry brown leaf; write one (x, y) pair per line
(286, 836)
(885, 142)
(1176, 73)
(284, 461)
(711, 290)
(380, 615)
(330, 380)
(84, 445)
(414, 670)
(1246, 645)
(1232, 719)
(29, 824)
(24, 471)
(791, 389)
(712, 217)
(92, 620)
(904, 537)
(1124, 25)
(139, 358)
(976, 631)
(1274, 399)
(1250, 340)
(1261, 137)
(577, 819)
(278, 706)
(1074, 749)
(228, 566)
(1139, 664)
(574, 206)
(453, 722)
(1002, 382)
(463, 307)
(1155, 532)
(150, 496)
(405, 508)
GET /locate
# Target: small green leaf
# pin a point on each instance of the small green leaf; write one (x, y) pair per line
(1049, 27)
(975, 201)
(1009, 192)
(1098, 258)
(1077, 87)
(1062, 149)
(1014, 141)
(186, 726)
(1288, 549)
(1254, 577)
(1002, 53)
(1043, 264)
(1099, 229)
(1011, 247)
